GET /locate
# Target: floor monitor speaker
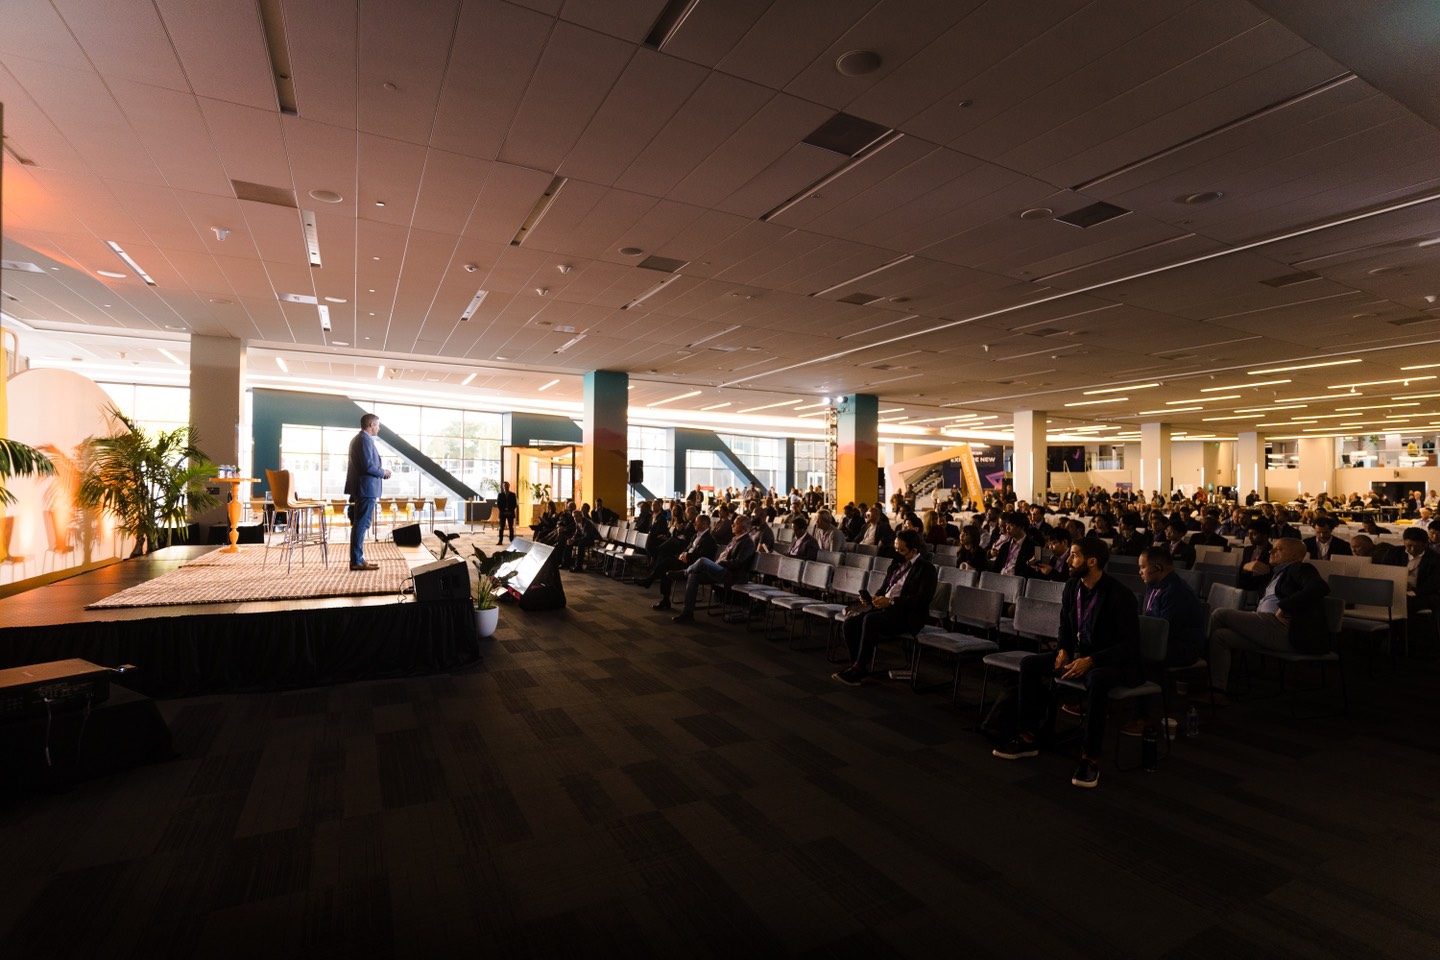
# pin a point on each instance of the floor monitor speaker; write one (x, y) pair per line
(408, 535)
(442, 580)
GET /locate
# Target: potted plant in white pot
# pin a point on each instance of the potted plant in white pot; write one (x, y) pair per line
(488, 587)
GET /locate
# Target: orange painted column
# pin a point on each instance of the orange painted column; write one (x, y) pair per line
(605, 431)
(857, 460)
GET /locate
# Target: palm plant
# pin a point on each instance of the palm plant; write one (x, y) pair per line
(19, 460)
(148, 482)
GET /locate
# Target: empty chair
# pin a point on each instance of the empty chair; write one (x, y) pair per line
(304, 520)
(1369, 602)
(970, 607)
(1194, 579)
(1038, 589)
(862, 561)
(1223, 597)
(831, 557)
(956, 577)
(845, 584)
(1008, 584)
(814, 582)
(1122, 563)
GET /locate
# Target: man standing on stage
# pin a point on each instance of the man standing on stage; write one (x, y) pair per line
(364, 474)
(507, 505)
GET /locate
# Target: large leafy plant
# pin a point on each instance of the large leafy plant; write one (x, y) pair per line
(19, 460)
(488, 582)
(149, 481)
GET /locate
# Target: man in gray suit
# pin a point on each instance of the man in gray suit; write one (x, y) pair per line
(364, 474)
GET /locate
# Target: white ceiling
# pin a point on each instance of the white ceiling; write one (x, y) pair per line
(1318, 121)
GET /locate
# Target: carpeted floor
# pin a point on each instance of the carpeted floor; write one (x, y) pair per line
(609, 784)
(258, 574)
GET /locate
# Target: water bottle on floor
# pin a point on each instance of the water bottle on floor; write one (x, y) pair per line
(1192, 722)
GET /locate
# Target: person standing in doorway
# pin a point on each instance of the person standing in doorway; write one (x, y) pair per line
(507, 505)
(364, 475)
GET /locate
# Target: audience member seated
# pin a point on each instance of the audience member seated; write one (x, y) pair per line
(1099, 645)
(876, 532)
(1422, 574)
(827, 535)
(583, 536)
(1053, 562)
(1209, 534)
(1132, 538)
(730, 566)
(1291, 615)
(1012, 554)
(802, 547)
(971, 556)
(1325, 544)
(683, 536)
(901, 606)
(1182, 553)
(672, 567)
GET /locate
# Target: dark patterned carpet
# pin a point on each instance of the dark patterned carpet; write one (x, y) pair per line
(608, 784)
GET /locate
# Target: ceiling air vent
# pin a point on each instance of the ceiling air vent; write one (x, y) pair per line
(263, 193)
(1411, 321)
(20, 265)
(1290, 279)
(663, 264)
(1096, 213)
(860, 299)
(846, 135)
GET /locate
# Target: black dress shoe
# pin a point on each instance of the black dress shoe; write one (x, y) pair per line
(662, 605)
(683, 617)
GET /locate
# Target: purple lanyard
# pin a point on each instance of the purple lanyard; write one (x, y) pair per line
(1084, 611)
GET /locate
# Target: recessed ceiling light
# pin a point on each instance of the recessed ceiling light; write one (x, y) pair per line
(112, 273)
(498, 357)
(326, 196)
(379, 203)
(339, 343)
(857, 63)
(631, 251)
(335, 300)
(374, 258)
(1037, 213)
(1206, 197)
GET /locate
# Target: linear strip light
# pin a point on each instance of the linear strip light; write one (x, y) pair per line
(280, 362)
(1378, 383)
(180, 363)
(1422, 366)
(1243, 416)
(312, 236)
(475, 302)
(890, 410)
(570, 343)
(718, 333)
(880, 143)
(324, 316)
(903, 258)
(129, 261)
(1176, 403)
(651, 292)
(1091, 403)
(1147, 413)
(1138, 386)
(1241, 386)
(1302, 366)
(468, 380)
(678, 396)
(1290, 406)
(1415, 396)
(1380, 406)
(380, 372)
(769, 406)
(826, 403)
(548, 385)
(717, 406)
(537, 212)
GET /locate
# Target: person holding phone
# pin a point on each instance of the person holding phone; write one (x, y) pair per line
(901, 607)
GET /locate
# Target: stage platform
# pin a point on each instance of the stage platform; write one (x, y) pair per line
(233, 647)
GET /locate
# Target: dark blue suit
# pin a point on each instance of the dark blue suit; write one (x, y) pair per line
(364, 479)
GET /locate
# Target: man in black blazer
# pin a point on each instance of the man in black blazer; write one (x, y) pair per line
(1291, 614)
(730, 565)
(1325, 544)
(507, 505)
(1422, 579)
(901, 606)
(1099, 645)
(672, 567)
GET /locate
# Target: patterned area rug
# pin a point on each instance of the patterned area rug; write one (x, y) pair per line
(239, 577)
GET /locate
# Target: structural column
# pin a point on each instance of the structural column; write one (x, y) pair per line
(1030, 459)
(217, 408)
(604, 470)
(1317, 465)
(1249, 465)
(857, 460)
(1154, 472)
